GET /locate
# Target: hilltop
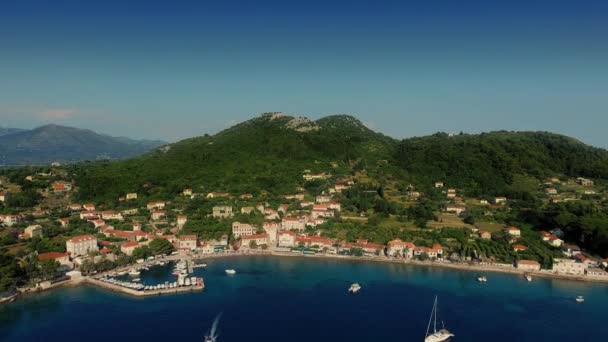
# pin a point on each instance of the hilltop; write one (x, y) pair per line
(268, 152)
(50, 143)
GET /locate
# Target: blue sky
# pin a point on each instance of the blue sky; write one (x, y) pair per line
(175, 69)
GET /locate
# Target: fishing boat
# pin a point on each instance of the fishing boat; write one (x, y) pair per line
(437, 335)
(230, 271)
(580, 299)
(354, 288)
(482, 279)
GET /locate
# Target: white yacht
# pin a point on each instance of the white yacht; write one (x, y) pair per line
(482, 279)
(134, 272)
(580, 299)
(230, 271)
(436, 336)
(528, 277)
(354, 288)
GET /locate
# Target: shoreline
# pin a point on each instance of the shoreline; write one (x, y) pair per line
(436, 264)
(93, 281)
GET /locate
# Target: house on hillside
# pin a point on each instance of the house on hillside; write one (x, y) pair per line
(222, 211)
(485, 235)
(217, 194)
(155, 205)
(457, 209)
(81, 245)
(158, 215)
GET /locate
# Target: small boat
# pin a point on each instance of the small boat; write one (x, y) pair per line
(354, 288)
(436, 336)
(580, 299)
(134, 272)
(482, 279)
(528, 277)
(231, 271)
(136, 280)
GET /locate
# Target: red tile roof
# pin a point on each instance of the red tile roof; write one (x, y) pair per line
(51, 255)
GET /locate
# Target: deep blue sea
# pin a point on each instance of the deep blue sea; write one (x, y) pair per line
(305, 299)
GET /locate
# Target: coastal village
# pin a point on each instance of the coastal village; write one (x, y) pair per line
(83, 239)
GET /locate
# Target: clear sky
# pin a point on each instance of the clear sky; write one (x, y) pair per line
(175, 69)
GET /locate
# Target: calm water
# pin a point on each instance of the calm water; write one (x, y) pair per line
(299, 299)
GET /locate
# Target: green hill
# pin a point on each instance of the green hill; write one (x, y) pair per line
(269, 152)
(486, 163)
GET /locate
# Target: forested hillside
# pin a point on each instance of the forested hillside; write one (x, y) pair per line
(486, 163)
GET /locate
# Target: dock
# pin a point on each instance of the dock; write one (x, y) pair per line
(143, 293)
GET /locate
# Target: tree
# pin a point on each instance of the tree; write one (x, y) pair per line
(141, 252)
(253, 244)
(48, 269)
(161, 246)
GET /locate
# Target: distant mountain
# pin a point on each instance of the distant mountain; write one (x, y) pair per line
(6, 130)
(50, 143)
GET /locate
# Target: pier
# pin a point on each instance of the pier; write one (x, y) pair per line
(144, 293)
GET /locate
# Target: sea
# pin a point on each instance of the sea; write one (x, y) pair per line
(306, 299)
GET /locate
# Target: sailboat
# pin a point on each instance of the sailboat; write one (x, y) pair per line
(436, 336)
(212, 336)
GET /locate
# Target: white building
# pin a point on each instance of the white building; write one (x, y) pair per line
(568, 266)
(241, 229)
(155, 205)
(293, 223)
(259, 239)
(81, 245)
(528, 265)
(222, 211)
(287, 239)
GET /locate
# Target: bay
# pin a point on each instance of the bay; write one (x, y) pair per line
(304, 299)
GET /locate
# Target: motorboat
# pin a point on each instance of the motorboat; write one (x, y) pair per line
(231, 271)
(354, 288)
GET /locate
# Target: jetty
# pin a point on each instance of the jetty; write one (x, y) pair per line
(146, 292)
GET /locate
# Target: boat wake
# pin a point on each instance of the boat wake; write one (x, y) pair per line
(212, 335)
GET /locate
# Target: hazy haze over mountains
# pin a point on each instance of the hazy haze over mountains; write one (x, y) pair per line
(50, 143)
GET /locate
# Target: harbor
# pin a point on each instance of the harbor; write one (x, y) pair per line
(177, 279)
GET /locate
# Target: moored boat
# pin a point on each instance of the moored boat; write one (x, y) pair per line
(580, 299)
(437, 335)
(482, 279)
(354, 288)
(230, 271)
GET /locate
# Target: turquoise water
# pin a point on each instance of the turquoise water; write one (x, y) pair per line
(300, 299)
